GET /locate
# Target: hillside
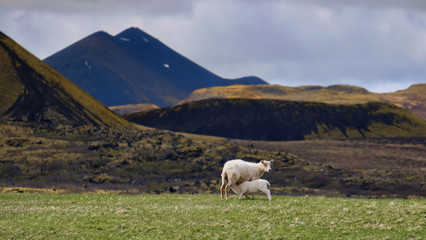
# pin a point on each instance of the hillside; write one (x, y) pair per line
(134, 67)
(32, 92)
(412, 99)
(131, 108)
(274, 120)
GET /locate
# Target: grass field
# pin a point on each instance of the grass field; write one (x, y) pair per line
(199, 216)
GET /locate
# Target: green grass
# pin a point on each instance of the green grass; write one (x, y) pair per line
(184, 216)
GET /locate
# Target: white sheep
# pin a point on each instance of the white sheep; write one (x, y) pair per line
(252, 187)
(238, 171)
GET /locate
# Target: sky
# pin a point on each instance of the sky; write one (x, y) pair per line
(376, 44)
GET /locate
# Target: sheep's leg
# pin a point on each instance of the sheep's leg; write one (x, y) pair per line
(222, 190)
(241, 195)
(224, 183)
(227, 188)
(231, 181)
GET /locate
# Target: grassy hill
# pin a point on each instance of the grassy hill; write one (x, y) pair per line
(274, 120)
(339, 94)
(32, 92)
(412, 99)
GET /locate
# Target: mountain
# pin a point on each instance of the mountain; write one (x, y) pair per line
(412, 99)
(276, 120)
(134, 67)
(33, 92)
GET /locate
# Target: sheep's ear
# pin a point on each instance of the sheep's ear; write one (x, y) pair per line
(263, 161)
(271, 161)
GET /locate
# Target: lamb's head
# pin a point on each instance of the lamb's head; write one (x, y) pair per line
(266, 165)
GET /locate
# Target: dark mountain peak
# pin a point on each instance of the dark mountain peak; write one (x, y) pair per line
(97, 37)
(134, 34)
(97, 40)
(133, 67)
(99, 34)
(132, 31)
(94, 37)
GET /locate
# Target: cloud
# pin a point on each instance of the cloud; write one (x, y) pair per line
(418, 5)
(284, 41)
(154, 7)
(288, 42)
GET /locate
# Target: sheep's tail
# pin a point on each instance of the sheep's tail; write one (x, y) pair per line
(268, 183)
(224, 177)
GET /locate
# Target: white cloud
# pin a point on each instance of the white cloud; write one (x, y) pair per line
(418, 5)
(146, 7)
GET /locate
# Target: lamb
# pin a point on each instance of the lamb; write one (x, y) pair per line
(252, 187)
(238, 171)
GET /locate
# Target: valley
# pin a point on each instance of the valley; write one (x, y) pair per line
(146, 160)
(55, 136)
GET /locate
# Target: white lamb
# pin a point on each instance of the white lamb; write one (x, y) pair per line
(252, 187)
(238, 171)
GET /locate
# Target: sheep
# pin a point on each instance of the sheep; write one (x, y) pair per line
(238, 171)
(252, 187)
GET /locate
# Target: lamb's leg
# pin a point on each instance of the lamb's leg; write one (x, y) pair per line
(268, 193)
(240, 196)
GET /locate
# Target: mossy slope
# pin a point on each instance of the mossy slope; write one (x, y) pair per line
(33, 92)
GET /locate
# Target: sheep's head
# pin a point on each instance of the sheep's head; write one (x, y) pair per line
(266, 165)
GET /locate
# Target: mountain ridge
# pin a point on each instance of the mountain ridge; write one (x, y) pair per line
(412, 99)
(133, 67)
